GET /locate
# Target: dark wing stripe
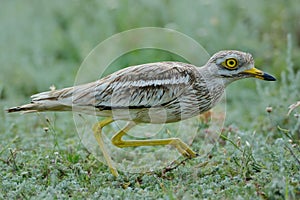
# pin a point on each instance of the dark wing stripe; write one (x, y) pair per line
(101, 108)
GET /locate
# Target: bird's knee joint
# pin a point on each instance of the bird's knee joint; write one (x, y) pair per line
(176, 141)
(96, 128)
(118, 142)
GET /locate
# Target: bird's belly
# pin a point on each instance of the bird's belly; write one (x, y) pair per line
(154, 115)
(145, 115)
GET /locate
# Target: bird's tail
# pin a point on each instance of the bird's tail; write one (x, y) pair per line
(47, 101)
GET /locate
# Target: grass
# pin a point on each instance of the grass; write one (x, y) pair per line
(257, 155)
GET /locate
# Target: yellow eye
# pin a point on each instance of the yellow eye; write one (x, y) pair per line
(231, 63)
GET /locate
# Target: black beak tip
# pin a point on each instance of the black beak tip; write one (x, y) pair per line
(268, 77)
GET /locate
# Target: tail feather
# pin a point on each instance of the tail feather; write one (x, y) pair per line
(43, 96)
(60, 100)
(27, 108)
(45, 101)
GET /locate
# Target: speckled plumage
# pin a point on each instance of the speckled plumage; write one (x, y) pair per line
(172, 89)
(143, 93)
(159, 92)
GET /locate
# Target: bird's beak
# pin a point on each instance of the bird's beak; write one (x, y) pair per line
(259, 74)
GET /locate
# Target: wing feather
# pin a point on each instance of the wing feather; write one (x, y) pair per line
(144, 86)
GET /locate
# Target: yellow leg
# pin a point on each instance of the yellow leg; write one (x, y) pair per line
(97, 129)
(176, 142)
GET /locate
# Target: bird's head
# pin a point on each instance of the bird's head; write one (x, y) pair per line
(233, 65)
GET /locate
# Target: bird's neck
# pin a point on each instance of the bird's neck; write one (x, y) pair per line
(215, 85)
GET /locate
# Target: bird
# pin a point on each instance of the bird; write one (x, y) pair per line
(157, 93)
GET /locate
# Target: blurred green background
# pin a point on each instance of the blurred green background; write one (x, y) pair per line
(44, 42)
